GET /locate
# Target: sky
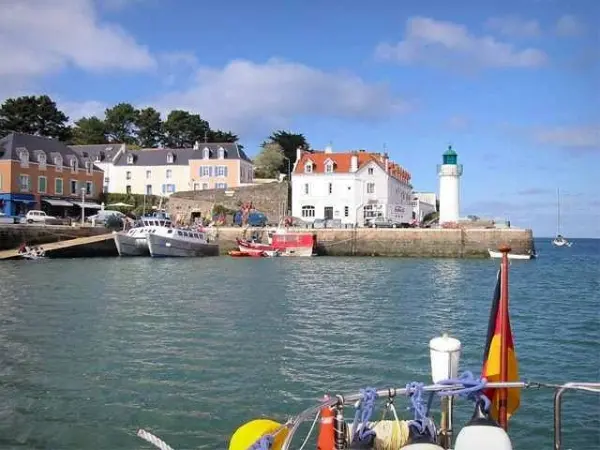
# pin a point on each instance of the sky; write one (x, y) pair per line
(513, 86)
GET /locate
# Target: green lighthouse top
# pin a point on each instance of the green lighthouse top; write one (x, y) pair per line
(450, 156)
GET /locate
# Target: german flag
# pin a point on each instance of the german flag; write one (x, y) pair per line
(492, 356)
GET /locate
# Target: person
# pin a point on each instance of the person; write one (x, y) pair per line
(23, 248)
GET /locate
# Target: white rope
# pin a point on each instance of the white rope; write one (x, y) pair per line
(312, 427)
(149, 437)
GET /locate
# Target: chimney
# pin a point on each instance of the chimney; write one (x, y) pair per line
(329, 148)
(354, 162)
(196, 145)
(386, 161)
(298, 154)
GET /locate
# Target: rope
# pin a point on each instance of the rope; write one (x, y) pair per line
(422, 423)
(310, 431)
(264, 443)
(472, 390)
(149, 437)
(364, 411)
(389, 434)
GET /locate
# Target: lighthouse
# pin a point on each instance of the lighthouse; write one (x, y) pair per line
(449, 173)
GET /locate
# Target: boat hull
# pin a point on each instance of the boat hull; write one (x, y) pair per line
(275, 249)
(161, 246)
(494, 254)
(131, 245)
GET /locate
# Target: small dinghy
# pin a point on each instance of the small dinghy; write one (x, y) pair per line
(27, 252)
(498, 255)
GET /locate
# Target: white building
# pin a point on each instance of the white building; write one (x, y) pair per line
(350, 186)
(424, 203)
(104, 157)
(449, 173)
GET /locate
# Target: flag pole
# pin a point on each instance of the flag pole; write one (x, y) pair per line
(503, 393)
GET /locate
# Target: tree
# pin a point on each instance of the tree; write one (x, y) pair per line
(289, 142)
(150, 128)
(89, 130)
(183, 129)
(121, 122)
(269, 160)
(33, 115)
(222, 136)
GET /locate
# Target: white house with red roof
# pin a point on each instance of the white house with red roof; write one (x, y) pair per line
(352, 186)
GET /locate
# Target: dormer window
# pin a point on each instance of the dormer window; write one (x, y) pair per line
(98, 157)
(130, 159)
(221, 153)
(329, 166)
(23, 157)
(169, 158)
(205, 153)
(41, 161)
(308, 167)
(73, 164)
(58, 163)
(88, 167)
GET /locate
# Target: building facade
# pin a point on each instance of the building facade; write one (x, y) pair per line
(42, 173)
(353, 187)
(165, 171)
(424, 203)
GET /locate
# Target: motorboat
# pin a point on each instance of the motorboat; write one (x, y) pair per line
(529, 255)
(182, 242)
(133, 242)
(284, 241)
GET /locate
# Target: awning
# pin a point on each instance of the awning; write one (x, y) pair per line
(18, 200)
(88, 205)
(54, 202)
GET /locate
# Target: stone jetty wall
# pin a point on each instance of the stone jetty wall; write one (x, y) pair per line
(443, 243)
(11, 236)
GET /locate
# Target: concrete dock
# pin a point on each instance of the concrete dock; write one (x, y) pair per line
(61, 245)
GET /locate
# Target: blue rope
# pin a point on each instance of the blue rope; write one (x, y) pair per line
(264, 443)
(364, 411)
(421, 422)
(472, 389)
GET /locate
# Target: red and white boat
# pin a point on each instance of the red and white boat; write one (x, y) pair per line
(286, 243)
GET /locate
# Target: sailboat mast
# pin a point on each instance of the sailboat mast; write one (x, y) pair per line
(558, 211)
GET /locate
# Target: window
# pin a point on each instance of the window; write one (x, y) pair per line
(221, 171)
(308, 211)
(196, 186)
(23, 157)
(42, 182)
(73, 164)
(58, 163)
(329, 167)
(148, 174)
(130, 159)
(306, 189)
(346, 211)
(168, 188)
(169, 158)
(128, 175)
(205, 153)
(148, 189)
(370, 171)
(89, 188)
(169, 173)
(41, 161)
(308, 167)
(331, 188)
(58, 186)
(128, 189)
(205, 171)
(204, 186)
(98, 158)
(73, 187)
(88, 167)
(370, 188)
(220, 185)
(221, 153)
(24, 183)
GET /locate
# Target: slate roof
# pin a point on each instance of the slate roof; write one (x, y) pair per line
(181, 156)
(106, 152)
(10, 144)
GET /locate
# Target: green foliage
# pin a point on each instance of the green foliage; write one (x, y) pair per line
(136, 200)
(120, 121)
(220, 209)
(89, 130)
(431, 216)
(269, 160)
(113, 223)
(289, 142)
(150, 128)
(33, 115)
(182, 129)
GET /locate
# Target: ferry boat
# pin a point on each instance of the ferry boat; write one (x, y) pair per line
(283, 241)
(375, 423)
(133, 242)
(180, 242)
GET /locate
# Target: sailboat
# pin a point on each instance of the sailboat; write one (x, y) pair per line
(559, 240)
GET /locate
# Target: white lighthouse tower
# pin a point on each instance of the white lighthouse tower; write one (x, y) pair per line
(449, 173)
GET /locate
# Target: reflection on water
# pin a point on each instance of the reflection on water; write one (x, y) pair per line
(90, 350)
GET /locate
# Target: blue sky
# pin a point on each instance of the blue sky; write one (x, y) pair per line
(512, 85)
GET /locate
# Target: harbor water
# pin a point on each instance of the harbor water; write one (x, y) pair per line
(189, 349)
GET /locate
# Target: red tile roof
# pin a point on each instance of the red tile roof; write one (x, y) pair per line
(342, 161)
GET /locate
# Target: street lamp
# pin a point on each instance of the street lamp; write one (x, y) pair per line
(82, 205)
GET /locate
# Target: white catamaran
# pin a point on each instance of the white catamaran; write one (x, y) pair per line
(559, 240)
(495, 397)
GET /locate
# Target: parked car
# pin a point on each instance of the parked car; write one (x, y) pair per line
(381, 222)
(36, 216)
(101, 217)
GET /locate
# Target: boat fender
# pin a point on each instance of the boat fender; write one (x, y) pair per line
(421, 441)
(249, 433)
(482, 432)
(326, 439)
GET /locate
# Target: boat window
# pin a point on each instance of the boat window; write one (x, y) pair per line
(169, 231)
(196, 236)
(179, 233)
(162, 223)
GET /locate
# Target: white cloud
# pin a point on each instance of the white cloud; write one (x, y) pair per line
(575, 137)
(569, 25)
(246, 96)
(77, 110)
(38, 37)
(514, 26)
(439, 43)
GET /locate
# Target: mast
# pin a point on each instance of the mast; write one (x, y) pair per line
(558, 211)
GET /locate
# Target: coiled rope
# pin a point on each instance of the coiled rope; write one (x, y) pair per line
(421, 423)
(472, 390)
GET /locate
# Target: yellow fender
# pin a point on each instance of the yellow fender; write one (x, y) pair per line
(252, 431)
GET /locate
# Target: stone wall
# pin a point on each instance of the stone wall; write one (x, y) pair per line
(443, 243)
(270, 199)
(11, 236)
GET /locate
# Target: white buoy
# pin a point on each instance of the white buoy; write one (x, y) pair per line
(482, 432)
(445, 356)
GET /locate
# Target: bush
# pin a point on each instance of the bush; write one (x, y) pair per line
(113, 222)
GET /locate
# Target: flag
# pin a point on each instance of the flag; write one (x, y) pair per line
(492, 356)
